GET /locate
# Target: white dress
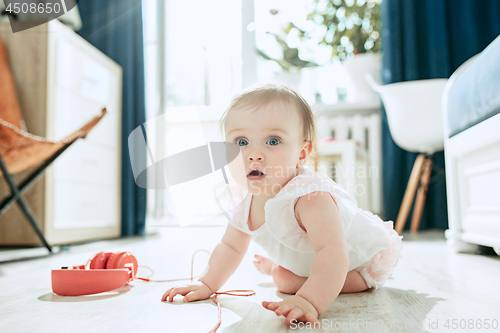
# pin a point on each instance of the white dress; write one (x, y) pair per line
(374, 247)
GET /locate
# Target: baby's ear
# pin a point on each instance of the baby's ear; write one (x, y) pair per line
(305, 152)
(308, 145)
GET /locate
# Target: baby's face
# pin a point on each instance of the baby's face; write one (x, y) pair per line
(271, 140)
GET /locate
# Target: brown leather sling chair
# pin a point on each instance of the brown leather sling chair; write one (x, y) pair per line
(20, 150)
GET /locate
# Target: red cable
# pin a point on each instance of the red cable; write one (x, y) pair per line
(229, 292)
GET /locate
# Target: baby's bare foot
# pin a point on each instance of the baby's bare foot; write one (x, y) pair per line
(263, 264)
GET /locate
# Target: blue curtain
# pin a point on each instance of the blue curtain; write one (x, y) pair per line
(427, 39)
(115, 28)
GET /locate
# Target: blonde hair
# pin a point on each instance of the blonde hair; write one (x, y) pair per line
(274, 93)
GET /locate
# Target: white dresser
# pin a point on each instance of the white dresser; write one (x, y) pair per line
(62, 82)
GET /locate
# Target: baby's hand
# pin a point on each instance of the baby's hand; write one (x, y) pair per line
(196, 290)
(294, 307)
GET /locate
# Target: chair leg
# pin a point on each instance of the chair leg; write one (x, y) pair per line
(30, 180)
(404, 210)
(421, 195)
(23, 205)
(32, 220)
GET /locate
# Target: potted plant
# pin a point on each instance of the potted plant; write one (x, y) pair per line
(351, 29)
(290, 63)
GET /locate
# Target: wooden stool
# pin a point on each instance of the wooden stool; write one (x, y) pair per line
(420, 173)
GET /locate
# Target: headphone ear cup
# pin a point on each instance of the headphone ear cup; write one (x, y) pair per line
(111, 260)
(100, 260)
(120, 259)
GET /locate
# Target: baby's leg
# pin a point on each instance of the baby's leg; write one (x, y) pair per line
(354, 283)
(286, 281)
(263, 264)
(289, 283)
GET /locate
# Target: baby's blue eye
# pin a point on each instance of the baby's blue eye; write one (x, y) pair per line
(241, 142)
(273, 141)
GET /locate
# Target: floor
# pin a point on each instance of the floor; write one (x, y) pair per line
(430, 288)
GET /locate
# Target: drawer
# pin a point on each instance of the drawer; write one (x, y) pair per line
(79, 206)
(95, 80)
(478, 182)
(482, 198)
(78, 72)
(89, 163)
(71, 112)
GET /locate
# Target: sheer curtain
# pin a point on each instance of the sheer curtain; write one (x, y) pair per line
(193, 52)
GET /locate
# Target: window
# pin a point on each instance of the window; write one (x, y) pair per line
(193, 58)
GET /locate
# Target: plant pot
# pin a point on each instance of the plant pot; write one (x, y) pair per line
(357, 67)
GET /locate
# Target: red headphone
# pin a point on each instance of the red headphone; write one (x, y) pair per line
(106, 271)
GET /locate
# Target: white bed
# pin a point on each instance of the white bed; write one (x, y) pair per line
(471, 106)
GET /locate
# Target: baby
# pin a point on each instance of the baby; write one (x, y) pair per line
(319, 242)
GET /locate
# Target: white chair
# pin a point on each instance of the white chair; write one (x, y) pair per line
(414, 114)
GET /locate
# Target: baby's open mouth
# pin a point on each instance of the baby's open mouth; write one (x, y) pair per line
(256, 175)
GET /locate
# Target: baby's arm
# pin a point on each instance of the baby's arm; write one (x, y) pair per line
(225, 258)
(320, 216)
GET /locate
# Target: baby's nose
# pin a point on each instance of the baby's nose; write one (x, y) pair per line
(255, 155)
